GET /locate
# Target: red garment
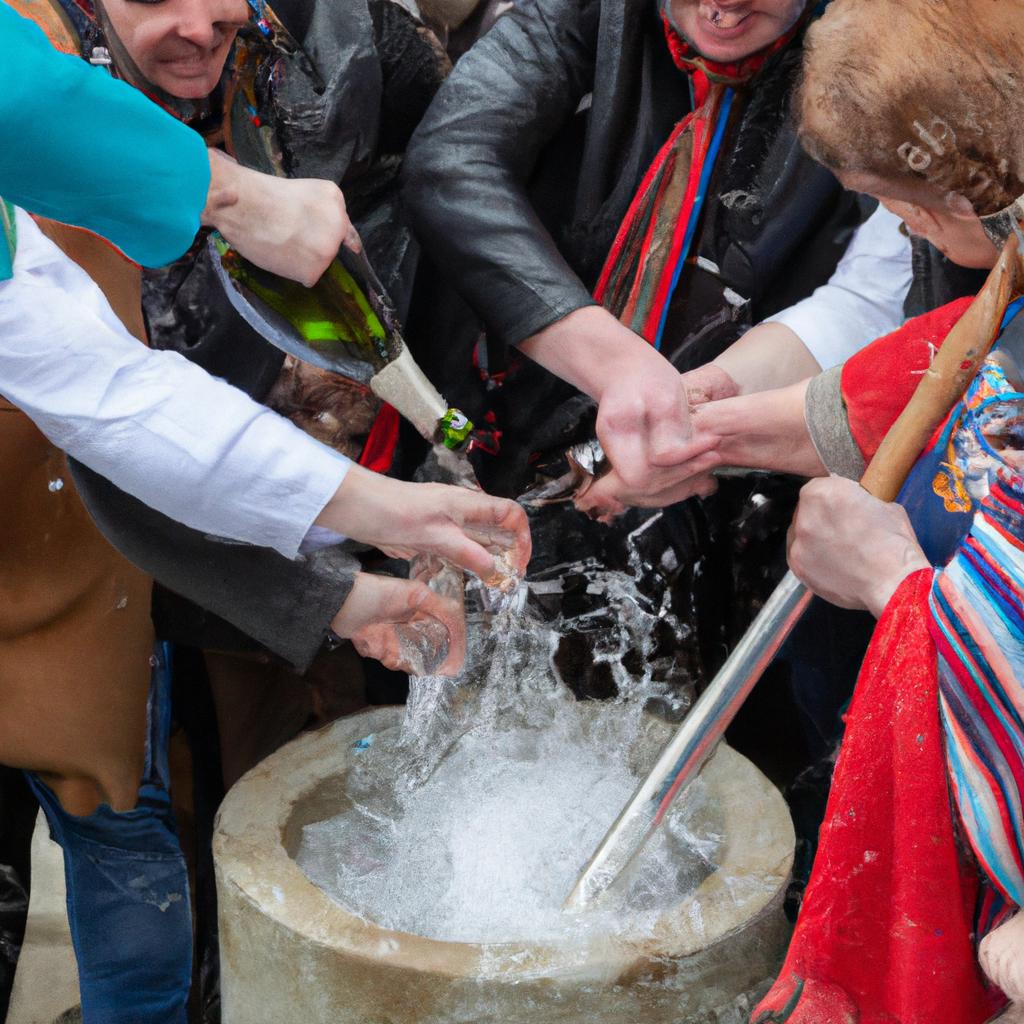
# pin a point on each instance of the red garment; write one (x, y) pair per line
(878, 381)
(885, 933)
(379, 451)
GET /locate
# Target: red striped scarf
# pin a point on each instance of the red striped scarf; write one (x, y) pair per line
(641, 270)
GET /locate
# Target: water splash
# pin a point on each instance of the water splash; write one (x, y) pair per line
(472, 820)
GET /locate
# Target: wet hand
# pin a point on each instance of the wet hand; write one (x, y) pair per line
(404, 625)
(293, 227)
(610, 495)
(850, 548)
(473, 530)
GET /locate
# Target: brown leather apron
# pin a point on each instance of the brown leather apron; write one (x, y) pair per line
(75, 630)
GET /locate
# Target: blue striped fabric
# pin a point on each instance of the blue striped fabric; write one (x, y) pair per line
(977, 622)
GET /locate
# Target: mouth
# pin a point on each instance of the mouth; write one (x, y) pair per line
(725, 23)
(193, 65)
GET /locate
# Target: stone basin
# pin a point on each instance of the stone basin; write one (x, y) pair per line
(289, 953)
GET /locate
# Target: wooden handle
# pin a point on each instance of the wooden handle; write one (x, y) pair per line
(946, 380)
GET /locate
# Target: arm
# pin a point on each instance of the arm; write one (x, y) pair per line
(468, 165)
(198, 449)
(288, 606)
(850, 408)
(115, 150)
(764, 430)
(862, 301)
(187, 443)
(471, 157)
(832, 423)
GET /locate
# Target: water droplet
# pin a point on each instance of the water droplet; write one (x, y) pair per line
(123, 603)
(56, 485)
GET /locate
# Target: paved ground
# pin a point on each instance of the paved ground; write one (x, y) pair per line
(46, 985)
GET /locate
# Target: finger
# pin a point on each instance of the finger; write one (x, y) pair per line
(455, 547)
(379, 643)
(601, 497)
(451, 615)
(353, 242)
(499, 524)
(691, 479)
(702, 485)
(625, 445)
(684, 449)
(405, 554)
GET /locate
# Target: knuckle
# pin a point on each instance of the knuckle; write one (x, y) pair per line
(625, 414)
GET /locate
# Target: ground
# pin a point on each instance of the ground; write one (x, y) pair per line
(46, 985)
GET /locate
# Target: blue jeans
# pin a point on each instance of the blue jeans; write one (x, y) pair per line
(127, 890)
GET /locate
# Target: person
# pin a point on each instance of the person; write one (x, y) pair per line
(143, 150)
(597, 110)
(186, 307)
(87, 767)
(248, 498)
(920, 854)
(533, 192)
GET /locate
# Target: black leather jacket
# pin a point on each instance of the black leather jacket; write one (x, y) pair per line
(519, 176)
(536, 143)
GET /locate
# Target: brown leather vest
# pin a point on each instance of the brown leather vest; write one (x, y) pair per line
(75, 630)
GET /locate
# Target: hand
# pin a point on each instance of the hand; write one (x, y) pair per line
(404, 625)
(766, 430)
(850, 548)
(290, 226)
(643, 423)
(609, 495)
(708, 383)
(643, 419)
(467, 528)
(1001, 954)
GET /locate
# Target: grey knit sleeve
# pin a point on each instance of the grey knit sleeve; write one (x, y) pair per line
(829, 426)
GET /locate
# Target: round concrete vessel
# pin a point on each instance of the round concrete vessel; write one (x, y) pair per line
(289, 953)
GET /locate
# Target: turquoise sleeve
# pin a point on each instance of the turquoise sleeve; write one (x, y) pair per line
(80, 147)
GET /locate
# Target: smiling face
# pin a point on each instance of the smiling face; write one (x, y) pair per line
(729, 30)
(180, 46)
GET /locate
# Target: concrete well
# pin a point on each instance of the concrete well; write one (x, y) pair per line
(291, 954)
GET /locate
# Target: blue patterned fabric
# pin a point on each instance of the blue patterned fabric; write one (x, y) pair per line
(966, 500)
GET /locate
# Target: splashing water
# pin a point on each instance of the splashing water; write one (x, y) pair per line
(472, 821)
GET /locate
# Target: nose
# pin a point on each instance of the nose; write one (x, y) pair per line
(204, 22)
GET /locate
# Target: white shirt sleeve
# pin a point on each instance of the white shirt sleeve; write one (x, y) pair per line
(863, 299)
(161, 428)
